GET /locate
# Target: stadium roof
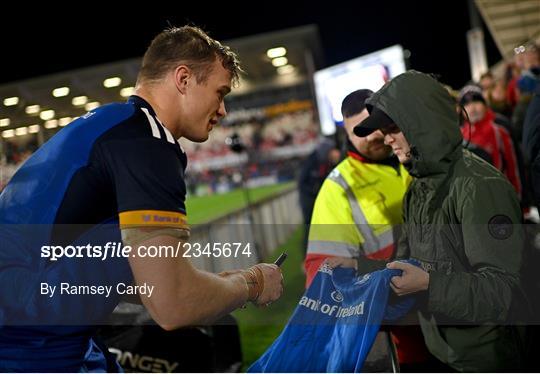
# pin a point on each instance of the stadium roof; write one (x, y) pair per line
(511, 22)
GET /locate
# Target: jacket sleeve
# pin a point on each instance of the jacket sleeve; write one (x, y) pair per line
(493, 245)
(403, 251)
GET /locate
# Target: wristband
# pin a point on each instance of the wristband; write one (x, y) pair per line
(255, 282)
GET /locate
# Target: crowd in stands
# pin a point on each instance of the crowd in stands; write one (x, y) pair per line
(496, 108)
(262, 136)
(249, 174)
(270, 147)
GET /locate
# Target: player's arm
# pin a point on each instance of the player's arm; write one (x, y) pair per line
(184, 295)
(150, 193)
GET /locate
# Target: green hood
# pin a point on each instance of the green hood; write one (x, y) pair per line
(425, 112)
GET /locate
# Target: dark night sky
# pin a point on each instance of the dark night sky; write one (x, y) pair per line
(434, 32)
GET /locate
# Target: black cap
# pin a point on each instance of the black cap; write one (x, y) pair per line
(376, 120)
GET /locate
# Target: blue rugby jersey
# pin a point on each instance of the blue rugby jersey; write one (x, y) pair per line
(116, 165)
(335, 323)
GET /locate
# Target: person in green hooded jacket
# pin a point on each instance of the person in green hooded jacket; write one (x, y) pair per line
(462, 223)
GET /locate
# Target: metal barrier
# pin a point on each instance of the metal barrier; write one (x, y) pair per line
(265, 225)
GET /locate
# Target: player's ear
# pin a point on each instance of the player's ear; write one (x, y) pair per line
(182, 75)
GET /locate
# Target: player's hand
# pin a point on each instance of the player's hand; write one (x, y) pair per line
(344, 262)
(413, 279)
(272, 288)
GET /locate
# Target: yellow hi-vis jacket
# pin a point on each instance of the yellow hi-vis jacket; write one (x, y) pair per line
(358, 205)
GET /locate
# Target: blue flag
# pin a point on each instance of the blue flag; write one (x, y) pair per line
(335, 323)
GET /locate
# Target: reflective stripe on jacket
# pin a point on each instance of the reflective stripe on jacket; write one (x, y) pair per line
(355, 211)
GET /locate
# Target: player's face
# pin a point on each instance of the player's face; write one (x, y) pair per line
(205, 104)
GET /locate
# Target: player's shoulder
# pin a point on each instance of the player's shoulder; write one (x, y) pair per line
(140, 124)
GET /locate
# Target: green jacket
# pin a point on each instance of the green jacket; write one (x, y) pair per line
(462, 222)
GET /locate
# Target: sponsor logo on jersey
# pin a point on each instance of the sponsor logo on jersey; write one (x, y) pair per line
(364, 279)
(336, 296)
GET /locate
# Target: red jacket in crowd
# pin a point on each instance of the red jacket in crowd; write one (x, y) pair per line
(495, 140)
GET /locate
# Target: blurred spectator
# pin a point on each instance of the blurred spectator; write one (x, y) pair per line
(513, 71)
(526, 84)
(481, 131)
(530, 54)
(487, 81)
(526, 59)
(531, 142)
(497, 99)
(312, 174)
